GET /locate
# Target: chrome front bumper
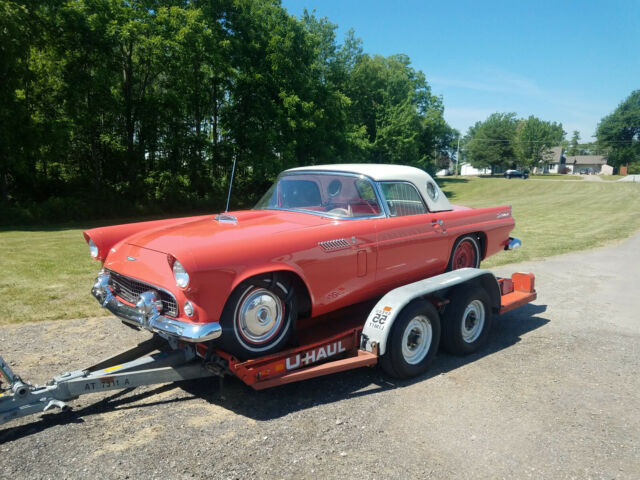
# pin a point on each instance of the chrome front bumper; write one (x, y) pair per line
(146, 314)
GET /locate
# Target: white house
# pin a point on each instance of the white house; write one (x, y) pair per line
(468, 169)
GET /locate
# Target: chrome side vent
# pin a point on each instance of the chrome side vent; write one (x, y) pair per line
(226, 218)
(331, 245)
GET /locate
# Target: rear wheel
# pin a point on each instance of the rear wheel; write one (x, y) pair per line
(259, 316)
(467, 320)
(465, 253)
(413, 340)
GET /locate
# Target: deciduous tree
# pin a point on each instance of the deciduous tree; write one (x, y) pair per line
(619, 132)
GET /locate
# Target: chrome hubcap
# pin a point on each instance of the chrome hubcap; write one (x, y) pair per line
(473, 321)
(416, 340)
(260, 316)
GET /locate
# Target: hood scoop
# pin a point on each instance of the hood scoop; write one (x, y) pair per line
(226, 218)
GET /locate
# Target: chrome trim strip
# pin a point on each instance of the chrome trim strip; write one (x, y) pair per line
(153, 321)
(381, 200)
(324, 215)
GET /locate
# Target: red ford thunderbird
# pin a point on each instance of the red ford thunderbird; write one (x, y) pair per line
(321, 238)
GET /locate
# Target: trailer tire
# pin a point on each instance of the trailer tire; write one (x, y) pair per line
(467, 320)
(465, 253)
(413, 340)
(259, 317)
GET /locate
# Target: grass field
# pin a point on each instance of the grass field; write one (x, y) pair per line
(554, 217)
(555, 176)
(47, 274)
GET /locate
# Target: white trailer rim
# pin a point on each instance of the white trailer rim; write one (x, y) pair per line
(473, 321)
(416, 340)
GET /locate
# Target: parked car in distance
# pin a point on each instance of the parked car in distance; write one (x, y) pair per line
(321, 238)
(516, 174)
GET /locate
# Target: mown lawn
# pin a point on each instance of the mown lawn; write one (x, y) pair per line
(554, 217)
(47, 274)
(555, 176)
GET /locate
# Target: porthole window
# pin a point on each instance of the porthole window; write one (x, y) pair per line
(334, 188)
(432, 191)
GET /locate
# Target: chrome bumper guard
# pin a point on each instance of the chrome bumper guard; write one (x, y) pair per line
(146, 314)
(513, 244)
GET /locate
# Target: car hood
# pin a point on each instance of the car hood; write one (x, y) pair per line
(208, 232)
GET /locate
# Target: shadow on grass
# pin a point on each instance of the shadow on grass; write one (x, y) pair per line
(445, 182)
(274, 403)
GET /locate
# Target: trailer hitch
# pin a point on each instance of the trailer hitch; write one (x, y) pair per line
(124, 370)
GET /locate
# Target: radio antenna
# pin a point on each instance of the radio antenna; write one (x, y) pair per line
(233, 172)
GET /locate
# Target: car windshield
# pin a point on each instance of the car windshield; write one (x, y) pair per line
(335, 195)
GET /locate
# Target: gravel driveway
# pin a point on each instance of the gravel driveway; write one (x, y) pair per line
(553, 395)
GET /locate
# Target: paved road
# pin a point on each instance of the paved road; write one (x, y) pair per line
(554, 395)
(630, 178)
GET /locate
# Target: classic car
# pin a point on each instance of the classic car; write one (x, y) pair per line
(320, 239)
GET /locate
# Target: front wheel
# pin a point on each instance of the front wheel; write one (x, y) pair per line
(467, 320)
(258, 317)
(413, 340)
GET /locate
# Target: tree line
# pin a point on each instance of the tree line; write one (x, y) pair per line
(503, 141)
(111, 108)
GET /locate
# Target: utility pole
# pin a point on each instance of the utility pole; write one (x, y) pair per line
(458, 156)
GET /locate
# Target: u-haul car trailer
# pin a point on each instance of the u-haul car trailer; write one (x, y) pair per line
(402, 333)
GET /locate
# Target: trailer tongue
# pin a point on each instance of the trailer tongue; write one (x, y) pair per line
(395, 333)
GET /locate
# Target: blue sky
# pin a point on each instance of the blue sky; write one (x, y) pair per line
(569, 62)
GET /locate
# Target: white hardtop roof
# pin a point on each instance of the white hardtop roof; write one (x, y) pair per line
(386, 172)
(377, 171)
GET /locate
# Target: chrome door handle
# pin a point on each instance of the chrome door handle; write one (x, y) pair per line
(437, 223)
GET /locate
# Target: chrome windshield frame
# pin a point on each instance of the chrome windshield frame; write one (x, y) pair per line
(384, 211)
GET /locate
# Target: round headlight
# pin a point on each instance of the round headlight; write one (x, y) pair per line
(180, 274)
(93, 249)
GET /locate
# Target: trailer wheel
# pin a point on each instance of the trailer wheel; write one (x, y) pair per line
(413, 340)
(467, 320)
(258, 317)
(465, 253)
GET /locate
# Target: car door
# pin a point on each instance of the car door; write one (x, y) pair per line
(412, 242)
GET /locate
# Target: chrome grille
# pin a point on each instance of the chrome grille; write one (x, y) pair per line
(129, 289)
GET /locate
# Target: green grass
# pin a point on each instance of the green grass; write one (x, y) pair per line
(554, 217)
(47, 274)
(543, 176)
(555, 176)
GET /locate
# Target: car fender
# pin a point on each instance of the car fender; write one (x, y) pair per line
(270, 268)
(380, 320)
